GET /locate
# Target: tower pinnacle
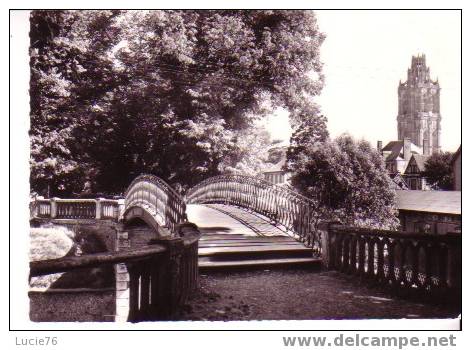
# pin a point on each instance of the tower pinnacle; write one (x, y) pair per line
(419, 107)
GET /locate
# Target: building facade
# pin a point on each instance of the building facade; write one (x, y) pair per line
(419, 107)
(397, 154)
(413, 173)
(273, 171)
(456, 163)
(434, 212)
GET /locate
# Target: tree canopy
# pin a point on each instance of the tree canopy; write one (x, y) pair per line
(172, 93)
(438, 170)
(347, 180)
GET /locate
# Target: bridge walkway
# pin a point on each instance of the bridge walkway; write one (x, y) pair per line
(238, 239)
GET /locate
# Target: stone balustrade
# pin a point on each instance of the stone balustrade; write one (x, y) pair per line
(58, 208)
(430, 264)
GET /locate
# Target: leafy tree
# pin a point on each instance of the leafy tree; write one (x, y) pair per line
(311, 130)
(66, 74)
(439, 171)
(173, 93)
(348, 181)
(252, 147)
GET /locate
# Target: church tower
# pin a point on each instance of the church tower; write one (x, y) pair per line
(419, 107)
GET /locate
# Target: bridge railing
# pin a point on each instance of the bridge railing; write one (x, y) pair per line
(280, 204)
(161, 276)
(58, 208)
(151, 192)
(403, 260)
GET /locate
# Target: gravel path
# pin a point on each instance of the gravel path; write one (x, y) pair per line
(96, 306)
(299, 295)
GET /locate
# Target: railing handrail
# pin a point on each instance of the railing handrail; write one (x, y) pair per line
(255, 180)
(64, 264)
(75, 200)
(280, 204)
(450, 236)
(49, 266)
(156, 181)
(162, 200)
(75, 208)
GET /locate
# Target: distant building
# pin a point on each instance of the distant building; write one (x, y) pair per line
(419, 107)
(418, 127)
(456, 163)
(273, 171)
(434, 212)
(413, 173)
(398, 181)
(397, 154)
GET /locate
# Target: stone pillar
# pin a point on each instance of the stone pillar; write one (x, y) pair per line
(327, 241)
(98, 208)
(120, 209)
(53, 202)
(173, 293)
(170, 269)
(35, 206)
(122, 278)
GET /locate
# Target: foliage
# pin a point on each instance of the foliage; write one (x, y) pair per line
(250, 150)
(173, 93)
(311, 130)
(438, 170)
(348, 181)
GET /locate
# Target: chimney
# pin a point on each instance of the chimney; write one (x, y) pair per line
(426, 145)
(379, 146)
(407, 149)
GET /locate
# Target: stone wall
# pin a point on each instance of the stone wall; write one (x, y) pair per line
(435, 223)
(104, 230)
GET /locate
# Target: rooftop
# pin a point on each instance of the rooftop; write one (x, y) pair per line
(446, 202)
(394, 150)
(420, 160)
(279, 158)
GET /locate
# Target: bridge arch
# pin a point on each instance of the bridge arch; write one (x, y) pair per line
(152, 201)
(281, 205)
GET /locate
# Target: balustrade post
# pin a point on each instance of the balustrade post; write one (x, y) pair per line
(391, 261)
(371, 258)
(134, 274)
(361, 256)
(329, 245)
(380, 262)
(36, 206)
(171, 270)
(119, 209)
(415, 264)
(443, 266)
(98, 206)
(53, 202)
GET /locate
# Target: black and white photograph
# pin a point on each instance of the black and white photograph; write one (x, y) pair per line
(228, 168)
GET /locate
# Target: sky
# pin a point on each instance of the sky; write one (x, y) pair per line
(365, 53)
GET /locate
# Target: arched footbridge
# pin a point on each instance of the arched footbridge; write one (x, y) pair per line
(234, 221)
(249, 222)
(245, 221)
